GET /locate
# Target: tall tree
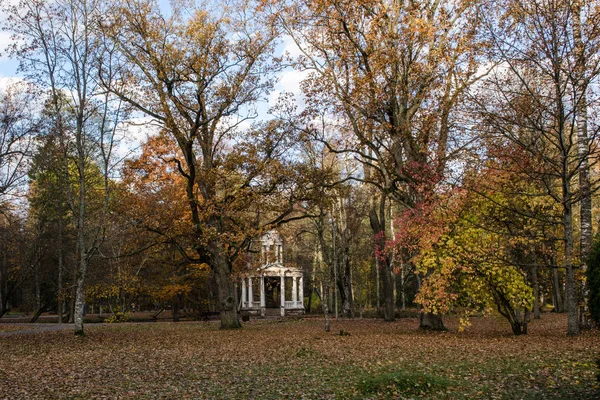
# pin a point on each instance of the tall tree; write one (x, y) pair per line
(531, 101)
(200, 74)
(59, 47)
(390, 75)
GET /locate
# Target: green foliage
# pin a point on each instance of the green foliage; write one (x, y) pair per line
(593, 281)
(402, 382)
(119, 316)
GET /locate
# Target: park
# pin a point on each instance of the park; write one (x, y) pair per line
(328, 199)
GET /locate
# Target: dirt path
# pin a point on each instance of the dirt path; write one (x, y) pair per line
(28, 328)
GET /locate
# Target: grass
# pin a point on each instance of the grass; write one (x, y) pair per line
(297, 359)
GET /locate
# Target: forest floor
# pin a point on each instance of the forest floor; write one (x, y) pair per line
(296, 359)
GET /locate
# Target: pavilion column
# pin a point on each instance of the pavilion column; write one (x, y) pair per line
(301, 290)
(250, 293)
(282, 296)
(263, 303)
(295, 291)
(244, 292)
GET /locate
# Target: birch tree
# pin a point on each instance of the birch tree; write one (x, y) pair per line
(59, 47)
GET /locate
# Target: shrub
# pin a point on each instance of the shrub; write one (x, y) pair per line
(119, 316)
(593, 281)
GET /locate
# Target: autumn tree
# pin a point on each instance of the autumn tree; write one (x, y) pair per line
(534, 99)
(389, 75)
(200, 74)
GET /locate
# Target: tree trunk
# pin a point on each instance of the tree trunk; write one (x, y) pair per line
(3, 285)
(83, 259)
(73, 295)
(431, 322)
(377, 287)
(346, 285)
(583, 150)
(571, 283)
(38, 290)
(176, 308)
(536, 292)
(388, 293)
(557, 299)
(80, 298)
(222, 269)
(378, 227)
(59, 297)
(39, 312)
(403, 286)
(326, 308)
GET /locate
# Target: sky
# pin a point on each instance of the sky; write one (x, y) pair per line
(289, 81)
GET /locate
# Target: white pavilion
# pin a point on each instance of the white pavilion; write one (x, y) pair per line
(268, 286)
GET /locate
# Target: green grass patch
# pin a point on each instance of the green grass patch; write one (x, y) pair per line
(402, 383)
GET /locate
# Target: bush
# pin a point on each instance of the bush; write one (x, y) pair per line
(593, 281)
(119, 316)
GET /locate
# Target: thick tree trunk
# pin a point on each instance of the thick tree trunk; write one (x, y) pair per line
(431, 322)
(388, 292)
(378, 227)
(81, 246)
(80, 298)
(222, 270)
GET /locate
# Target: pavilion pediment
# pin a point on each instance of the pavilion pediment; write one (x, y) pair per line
(278, 270)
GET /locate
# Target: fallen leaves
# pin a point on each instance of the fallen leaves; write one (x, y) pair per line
(296, 359)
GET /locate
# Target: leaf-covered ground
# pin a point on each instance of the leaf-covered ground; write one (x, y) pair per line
(297, 359)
